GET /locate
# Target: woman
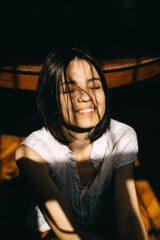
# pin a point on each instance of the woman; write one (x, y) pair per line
(79, 166)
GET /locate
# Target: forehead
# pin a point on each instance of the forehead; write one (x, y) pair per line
(79, 68)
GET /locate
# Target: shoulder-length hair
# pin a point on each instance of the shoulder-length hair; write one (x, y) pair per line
(48, 94)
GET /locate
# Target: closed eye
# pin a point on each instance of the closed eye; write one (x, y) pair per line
(95, 87)
(68, 91)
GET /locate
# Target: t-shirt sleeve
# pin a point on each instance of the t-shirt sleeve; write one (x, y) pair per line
(39, 142)
(125, 150)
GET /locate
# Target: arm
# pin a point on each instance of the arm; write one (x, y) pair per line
(54, 208)
(128, 218)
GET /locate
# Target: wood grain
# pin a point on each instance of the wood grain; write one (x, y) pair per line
(118, 72)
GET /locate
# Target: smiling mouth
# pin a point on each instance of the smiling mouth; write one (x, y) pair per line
(88, 110)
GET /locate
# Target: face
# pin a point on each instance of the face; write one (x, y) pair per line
(82, 97)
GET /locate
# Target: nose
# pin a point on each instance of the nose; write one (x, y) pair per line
(83, 96)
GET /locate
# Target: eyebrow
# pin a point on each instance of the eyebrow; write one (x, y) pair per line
(73, 82)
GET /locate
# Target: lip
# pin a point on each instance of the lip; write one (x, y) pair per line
(82, 112)
(84, 108)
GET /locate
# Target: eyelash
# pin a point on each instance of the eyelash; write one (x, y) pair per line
(70, 91)
(95, 88)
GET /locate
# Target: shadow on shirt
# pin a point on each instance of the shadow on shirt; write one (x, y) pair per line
(36, 177)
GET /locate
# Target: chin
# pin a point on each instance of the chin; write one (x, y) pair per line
(87, 125)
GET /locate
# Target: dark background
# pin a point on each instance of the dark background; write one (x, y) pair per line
(30, 29)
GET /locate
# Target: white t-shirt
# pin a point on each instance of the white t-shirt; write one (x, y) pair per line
(115, 148)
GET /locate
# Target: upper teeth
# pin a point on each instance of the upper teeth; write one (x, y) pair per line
(86, 110)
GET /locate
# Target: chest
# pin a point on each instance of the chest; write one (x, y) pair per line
(84, 166)
(85, 171)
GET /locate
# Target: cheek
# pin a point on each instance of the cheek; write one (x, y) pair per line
(62, 101)
(65, 104)
(101, 99)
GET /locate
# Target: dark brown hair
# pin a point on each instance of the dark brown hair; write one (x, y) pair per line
(48, 94)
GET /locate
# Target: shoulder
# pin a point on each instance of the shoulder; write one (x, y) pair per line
(29, 146)
(42, 140)
(121, 138)
(39, 137)
(25, 152)
(122, 143)
(40, 143)
(119, 128)
(119, 131)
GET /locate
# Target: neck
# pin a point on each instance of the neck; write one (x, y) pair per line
(81, 143)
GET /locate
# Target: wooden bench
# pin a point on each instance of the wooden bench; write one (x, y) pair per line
(118, 72)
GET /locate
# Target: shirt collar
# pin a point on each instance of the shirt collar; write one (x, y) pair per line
(99, 148)
(65, 150)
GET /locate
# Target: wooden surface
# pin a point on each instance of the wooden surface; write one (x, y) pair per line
(118, 72)
(13, 199)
